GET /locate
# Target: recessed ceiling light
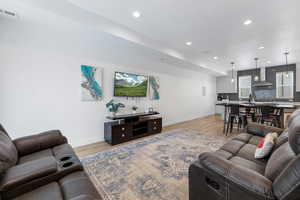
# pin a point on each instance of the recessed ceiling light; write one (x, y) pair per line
(248, 22)
(189, 43)
(269, 62)
(136, 14)
(216, 58)
(260, 48)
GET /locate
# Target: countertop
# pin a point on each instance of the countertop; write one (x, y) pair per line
(284, 105)
(267, 102)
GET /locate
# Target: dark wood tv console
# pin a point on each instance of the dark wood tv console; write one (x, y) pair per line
(124, 128)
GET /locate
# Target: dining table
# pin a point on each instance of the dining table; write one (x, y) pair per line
(279, 106)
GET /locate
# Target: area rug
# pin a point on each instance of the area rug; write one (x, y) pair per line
(155, 168)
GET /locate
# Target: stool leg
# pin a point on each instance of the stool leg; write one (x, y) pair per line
(231, 124)
(239, 123)
(245, 121)
(227, 128)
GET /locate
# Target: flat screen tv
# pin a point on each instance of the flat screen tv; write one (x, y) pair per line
(130, 85)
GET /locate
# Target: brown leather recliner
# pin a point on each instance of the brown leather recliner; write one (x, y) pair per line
(42, 167)
(232, 172)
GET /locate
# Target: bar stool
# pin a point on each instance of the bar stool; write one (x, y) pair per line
(248, 113)
(235, 116)
(270, 116)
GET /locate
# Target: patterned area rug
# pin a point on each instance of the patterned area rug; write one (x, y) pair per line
(155, 168)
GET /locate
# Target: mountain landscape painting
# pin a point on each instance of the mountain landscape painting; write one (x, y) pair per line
(91, 83)
(130, 85)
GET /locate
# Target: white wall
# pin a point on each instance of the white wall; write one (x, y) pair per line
(40, 81)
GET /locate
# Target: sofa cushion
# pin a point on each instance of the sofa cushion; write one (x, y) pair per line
(58, 152)
(35, 156)
(255, 130)
(293, 115)
(278, 161)
(294, 134)
(75, 186)
(236, 160)
(283, 138)
(224, 154)
(48, 192)
(29, 171)
(34, 143)
(248, 148)
(248, 138)
(244, 137)
(240, 151)
(233, 146)
(243, 146)
(247, 152)
(78, 185)
(261, 130)
(8, 152)
(63, 150)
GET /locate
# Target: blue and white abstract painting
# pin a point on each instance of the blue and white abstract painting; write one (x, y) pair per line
(154, 88)
(91, 83)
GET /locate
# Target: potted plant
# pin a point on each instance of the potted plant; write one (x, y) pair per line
(114, 107)
(134, 109)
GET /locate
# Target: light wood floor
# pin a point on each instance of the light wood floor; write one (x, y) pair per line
(211, 125)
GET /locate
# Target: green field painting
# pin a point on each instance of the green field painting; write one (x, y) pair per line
(130, 85)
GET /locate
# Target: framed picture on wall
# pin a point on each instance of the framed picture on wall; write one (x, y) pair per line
(91, 83)
(154, 87)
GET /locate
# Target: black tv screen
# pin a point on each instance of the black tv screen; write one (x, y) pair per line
(130, 85)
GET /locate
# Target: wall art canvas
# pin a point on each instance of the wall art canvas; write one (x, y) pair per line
(91, 83)
(154, 88)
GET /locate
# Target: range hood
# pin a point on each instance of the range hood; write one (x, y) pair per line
(262, 82)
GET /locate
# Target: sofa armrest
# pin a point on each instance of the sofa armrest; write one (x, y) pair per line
(255, 185)
(24, 173)
(261, 130)
(31, 144)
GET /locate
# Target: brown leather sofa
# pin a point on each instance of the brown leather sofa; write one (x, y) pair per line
(42, 167)
(232, 172)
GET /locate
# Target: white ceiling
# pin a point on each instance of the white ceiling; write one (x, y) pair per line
(215, 27)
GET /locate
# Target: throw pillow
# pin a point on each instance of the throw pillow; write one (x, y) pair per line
(265, 146)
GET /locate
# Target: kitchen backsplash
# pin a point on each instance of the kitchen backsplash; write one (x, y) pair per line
(265, 93)
(231, 96)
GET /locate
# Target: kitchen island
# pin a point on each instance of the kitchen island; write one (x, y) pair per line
(283, 107)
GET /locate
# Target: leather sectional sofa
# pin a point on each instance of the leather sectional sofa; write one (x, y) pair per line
(42, 167)
(232, 172)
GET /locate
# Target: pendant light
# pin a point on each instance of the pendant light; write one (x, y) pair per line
(286, 62)
(232, 78)
(256, 78)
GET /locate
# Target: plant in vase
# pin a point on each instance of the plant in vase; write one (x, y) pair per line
(114, 107)
(134, 109)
